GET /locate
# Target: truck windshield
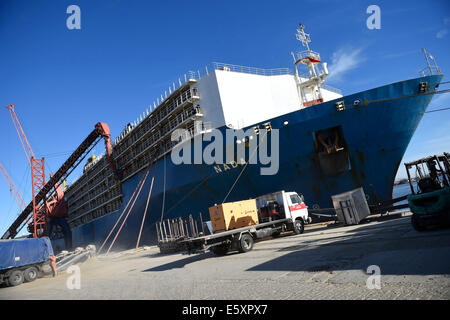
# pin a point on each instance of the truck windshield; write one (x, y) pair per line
(295, 199)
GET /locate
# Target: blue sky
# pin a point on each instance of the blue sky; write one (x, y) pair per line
(127, 52)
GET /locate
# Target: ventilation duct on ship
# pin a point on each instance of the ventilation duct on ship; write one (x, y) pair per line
(325, 68)
(332, 151)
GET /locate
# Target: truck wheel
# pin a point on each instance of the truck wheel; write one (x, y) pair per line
(15, 278)
(246, 243)
(416, 223)
(30, 274)
(220, 250)
(299, 226)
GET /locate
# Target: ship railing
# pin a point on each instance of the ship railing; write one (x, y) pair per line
(432, 68)
(154, 139)
(152, 145)
(177, 103)
(192, 75)
(429, 71)
(120, 151)
(306, 54)
(305, 76)
(251, 70)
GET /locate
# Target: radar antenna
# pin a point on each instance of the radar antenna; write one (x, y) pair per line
(308, 85)
(303, 37)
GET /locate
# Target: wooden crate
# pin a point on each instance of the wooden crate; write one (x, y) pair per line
(233, 215)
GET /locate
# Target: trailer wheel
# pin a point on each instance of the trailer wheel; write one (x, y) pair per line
(246, 243)
(15, 278)
(299, 226)
(30, 274)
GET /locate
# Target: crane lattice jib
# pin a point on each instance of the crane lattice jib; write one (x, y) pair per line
(101, 130)
(15, 194)
(22, 137)
(13, 188)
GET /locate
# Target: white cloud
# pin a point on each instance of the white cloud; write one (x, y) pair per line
(399, 54)
(440, 101)
(343, 61)
(441, 33)
(441, 142)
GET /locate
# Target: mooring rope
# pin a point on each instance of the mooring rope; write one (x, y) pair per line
(129, 210)
(436, 110)
(245, 166)
(189, 193)
(120, 217)
(164, 190)
(405, 97)
(146, 207)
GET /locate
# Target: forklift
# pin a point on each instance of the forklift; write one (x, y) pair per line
(430, 199)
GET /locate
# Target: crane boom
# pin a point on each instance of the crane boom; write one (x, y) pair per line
(15, 193)
(22, 137)
(37, 174)
(101, 130)
(12, 188)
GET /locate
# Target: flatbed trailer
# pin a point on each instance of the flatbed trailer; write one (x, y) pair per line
(277, 212)
(241, 239)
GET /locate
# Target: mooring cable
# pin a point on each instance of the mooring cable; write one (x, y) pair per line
(164, 190)
(245, 166)
(436, 110)
(125, 209)
(146, 206)
(405, 97)
(129, 211)
(190, 192)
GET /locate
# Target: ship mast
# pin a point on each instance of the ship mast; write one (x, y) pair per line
(309, 85)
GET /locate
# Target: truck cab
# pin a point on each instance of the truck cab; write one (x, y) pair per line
(284, 205)
(296, 207)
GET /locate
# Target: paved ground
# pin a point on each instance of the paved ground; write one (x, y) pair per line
(322, 263)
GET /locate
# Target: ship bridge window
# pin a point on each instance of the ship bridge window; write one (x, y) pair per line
(332, 151)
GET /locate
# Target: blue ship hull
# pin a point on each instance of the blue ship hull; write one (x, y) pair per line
(376, 137)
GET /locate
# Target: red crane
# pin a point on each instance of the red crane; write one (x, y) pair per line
(13, 189)
(37, 175)
(15, 193)
(40, 206)
(22, 137)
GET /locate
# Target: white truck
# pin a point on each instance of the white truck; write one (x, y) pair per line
(278, 212)
(284, 205)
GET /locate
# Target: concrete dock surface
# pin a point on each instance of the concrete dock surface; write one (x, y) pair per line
(325, 262)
